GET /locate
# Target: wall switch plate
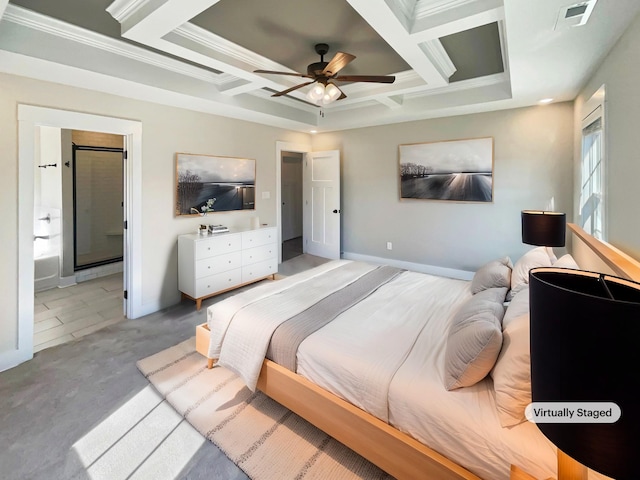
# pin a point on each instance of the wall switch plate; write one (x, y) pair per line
(389, 246)
(266, 195)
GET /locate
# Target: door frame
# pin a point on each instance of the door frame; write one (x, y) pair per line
(280, 148)
(29, 118)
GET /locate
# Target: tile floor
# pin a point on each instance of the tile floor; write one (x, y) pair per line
(63, 314)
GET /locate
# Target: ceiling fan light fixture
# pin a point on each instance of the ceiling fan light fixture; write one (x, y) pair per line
(331, 93)
(316, 93)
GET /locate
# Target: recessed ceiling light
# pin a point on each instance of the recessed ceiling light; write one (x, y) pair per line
(546, 100)
(313, 131)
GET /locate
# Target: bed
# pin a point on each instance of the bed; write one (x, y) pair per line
(377, 357)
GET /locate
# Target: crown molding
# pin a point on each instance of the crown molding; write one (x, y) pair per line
(425, 8)
(122, 10)
(58, 28)
(473, 83)
(436, 53)
(225, 47)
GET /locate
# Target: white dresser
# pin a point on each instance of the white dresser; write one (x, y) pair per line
(212, 264)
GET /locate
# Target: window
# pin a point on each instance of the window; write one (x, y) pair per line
(592, 193)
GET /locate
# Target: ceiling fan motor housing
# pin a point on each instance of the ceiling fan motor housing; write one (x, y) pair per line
(316, 68)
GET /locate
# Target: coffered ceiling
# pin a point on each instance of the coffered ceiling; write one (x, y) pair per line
(448, 56)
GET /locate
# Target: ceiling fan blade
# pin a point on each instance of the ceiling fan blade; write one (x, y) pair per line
(282, 73)
(284, 92)
(337, 63)
(366, 78)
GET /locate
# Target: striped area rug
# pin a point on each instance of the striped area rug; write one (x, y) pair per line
(267, 441)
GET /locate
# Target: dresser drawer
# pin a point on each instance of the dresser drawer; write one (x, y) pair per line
(209, 247)
(259, 270)
(256, 238)
(258, 254)
(217, 282)
(219, 263)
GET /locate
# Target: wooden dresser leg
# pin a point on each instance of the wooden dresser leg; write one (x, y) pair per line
(198, 304)
(209, 363)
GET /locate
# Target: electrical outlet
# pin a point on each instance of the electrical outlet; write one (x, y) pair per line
(389, 246)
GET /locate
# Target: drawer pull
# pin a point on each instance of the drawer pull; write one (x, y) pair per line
(209, 267)
(229, 261)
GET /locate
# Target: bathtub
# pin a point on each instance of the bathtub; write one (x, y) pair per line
(46, 273)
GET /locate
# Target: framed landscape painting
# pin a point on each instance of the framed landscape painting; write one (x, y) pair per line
(208, 184)
(455, 170)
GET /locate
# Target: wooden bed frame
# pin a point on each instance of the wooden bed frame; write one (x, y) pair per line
(393, 451)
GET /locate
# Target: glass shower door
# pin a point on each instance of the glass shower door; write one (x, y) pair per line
(98, 205)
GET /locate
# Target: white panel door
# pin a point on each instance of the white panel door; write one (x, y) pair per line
(322, 204)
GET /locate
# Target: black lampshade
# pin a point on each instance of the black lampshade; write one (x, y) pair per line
(585, 347)
(543, 228)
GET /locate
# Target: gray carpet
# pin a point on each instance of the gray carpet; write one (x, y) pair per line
(50, 403)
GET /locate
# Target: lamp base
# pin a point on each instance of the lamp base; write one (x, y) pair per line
(552, 255)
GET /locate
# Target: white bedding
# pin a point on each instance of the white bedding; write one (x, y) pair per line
(242, 342)
(385, 355)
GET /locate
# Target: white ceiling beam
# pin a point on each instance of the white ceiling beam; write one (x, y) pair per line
(391, 102)
(237, 87)
(385, 21)
(149, 19)
(433, 23)
(3, 5)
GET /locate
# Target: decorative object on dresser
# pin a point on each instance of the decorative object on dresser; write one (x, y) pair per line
(206, 184)
(212, 264)
(584, 353)
(455, 170)
(544, 229)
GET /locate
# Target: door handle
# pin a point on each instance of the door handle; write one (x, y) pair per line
(336, 211)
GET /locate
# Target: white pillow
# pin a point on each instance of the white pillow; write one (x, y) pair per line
(537, 257)
(566, 261)
(473, 342)
(518, 306)
(496, 273)
(512, 372)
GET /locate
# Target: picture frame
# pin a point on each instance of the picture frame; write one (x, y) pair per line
(210, 184)
(451, 170)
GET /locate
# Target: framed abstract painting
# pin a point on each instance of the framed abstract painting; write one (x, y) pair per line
(454, 170)
(208, 184)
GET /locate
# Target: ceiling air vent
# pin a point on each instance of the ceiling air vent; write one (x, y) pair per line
(574, 15)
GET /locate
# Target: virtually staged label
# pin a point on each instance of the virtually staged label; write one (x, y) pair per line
(572, 412)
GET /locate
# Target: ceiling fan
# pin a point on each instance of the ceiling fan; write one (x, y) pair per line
(324, 74)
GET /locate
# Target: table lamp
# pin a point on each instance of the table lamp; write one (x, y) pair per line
(585, 333)
(546, 229)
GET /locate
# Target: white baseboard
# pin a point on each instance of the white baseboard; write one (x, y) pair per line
(416, 267)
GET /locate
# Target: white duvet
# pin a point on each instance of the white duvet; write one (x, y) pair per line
(385, 355)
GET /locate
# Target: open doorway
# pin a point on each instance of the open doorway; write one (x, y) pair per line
(291, 204)
(78, 234)
(30, 118)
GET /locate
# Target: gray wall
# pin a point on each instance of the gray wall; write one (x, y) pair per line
(166, 130)
(533, 151)
(620, 73)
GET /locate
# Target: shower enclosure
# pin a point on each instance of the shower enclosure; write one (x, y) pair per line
(98, 179)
